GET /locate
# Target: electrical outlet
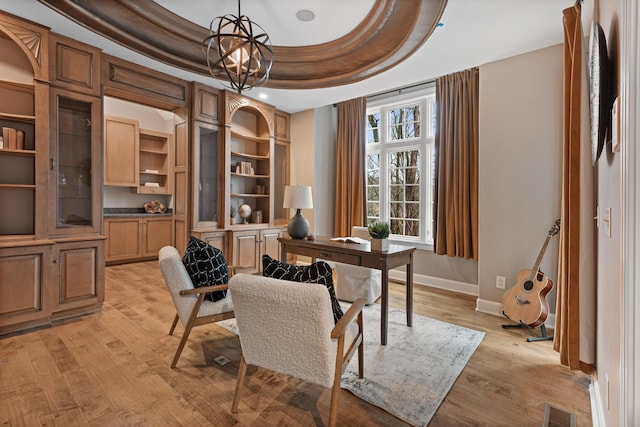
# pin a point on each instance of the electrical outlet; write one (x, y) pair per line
(501, 282)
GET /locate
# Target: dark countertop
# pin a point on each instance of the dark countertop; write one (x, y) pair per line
(132, 212)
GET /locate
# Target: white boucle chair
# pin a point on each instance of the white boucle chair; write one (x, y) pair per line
(288, 327)
(191, 307)
(353, 281)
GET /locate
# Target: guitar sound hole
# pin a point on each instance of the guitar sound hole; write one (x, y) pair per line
(528, 285)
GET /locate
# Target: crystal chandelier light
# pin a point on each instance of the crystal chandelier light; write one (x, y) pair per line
(238, 52)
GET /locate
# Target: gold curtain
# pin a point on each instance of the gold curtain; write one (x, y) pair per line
(350, 165)
(456, 176)
(574, 329)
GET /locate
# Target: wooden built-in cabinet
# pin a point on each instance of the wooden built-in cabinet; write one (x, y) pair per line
(79, 274)
(25, 275)
(240, 155)
(155, 162)
(76, 193)
(141, 159)
(121, 142)
(51, 247)
(136, 238)
(249, 147)
(248, 247)
(282, 126)
(217, 239)
(75, 66)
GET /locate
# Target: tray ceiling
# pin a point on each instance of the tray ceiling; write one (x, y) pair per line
(391, 32)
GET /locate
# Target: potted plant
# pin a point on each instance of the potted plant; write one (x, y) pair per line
(232, 215)
(379, 232)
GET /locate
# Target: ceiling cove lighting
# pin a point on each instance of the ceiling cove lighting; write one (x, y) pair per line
(238, 52)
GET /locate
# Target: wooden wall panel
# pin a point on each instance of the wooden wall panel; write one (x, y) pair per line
(75, 66)
(123, 79)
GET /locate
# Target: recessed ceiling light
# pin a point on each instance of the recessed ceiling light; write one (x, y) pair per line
(305, 15)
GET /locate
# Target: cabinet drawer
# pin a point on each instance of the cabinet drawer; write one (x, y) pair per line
(329, 256)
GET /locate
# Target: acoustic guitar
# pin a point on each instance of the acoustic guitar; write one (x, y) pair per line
(526, 302)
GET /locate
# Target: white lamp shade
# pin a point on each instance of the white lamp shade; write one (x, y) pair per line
(297, 197)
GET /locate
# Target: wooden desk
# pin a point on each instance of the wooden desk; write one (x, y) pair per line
(360, 254)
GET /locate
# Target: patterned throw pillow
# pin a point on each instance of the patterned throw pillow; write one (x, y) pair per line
(206, 267)
(318, 272)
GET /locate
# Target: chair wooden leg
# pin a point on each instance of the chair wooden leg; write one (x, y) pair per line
(333, 409)
(360, 349)
(183, 341)
(173, 325)
(242, 370)
(337, 376)
(361, 360)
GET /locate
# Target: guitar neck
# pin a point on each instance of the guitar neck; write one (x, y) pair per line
(536, 266)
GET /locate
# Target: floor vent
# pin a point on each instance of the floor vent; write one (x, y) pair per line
(554, 417)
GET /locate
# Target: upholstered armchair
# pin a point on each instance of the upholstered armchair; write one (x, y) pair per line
(353, 281)
(191, 306)
(288, 327)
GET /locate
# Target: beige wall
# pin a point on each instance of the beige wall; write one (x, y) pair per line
(302, 159)
(607, 378)
(520, 168)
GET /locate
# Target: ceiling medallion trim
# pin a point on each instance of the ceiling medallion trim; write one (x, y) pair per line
(392, 31)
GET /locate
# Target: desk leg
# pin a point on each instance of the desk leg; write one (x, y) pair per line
(385, 307)
(283, 253)
(409, 291)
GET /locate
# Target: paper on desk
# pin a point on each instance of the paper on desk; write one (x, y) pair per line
(350, 240)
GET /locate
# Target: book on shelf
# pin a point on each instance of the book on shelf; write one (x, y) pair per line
(6, 137)
(244, 168)
(20, 139)
(152, 184)
(350, 240)
(151, 171)
(12, 139)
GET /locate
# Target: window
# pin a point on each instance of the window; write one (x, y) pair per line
(400, 165)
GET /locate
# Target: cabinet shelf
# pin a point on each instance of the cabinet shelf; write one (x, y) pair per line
(18, 186)
(249, 138)
(152, 151)
(18, 152)
(244, 175)
(159, 173)
(18, 117)
(249, 156)
(249, 195)
(22, 87)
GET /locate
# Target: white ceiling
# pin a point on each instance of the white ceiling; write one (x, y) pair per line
(474, 32)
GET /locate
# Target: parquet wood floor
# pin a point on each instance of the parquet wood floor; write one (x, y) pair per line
(112, 369)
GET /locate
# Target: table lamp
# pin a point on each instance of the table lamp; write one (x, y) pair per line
(298, 197)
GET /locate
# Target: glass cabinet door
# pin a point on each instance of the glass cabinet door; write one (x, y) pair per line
(75, 176)
(207, 159)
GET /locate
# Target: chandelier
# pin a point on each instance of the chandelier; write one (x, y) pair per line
(238, 52)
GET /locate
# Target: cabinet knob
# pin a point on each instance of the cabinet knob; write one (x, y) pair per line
(55, 261)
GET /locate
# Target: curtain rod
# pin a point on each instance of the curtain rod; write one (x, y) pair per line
(401, 90)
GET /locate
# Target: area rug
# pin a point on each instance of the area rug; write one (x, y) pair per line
(412, 374)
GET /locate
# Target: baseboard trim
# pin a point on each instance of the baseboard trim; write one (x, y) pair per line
(597, 413)
(436, 282)
(495, 308)
(489, 307)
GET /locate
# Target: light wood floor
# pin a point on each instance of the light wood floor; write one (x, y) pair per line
(112, 369)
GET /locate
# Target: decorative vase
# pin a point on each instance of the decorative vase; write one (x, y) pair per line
(379, 244)
(232, 221)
